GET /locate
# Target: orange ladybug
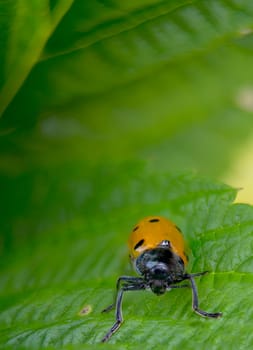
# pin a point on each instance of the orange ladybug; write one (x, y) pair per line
(157, 251)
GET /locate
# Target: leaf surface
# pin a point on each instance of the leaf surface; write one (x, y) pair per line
(47, 283)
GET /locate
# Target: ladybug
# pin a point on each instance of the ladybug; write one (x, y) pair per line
(158, 253)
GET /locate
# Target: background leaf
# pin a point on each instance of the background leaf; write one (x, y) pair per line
(28, 25)
(166, 75)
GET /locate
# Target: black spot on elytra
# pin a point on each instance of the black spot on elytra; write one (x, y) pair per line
(154, 220)
(137, 245)
(136, 228)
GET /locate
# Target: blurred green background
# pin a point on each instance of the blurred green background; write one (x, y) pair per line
(83, 83)
(92, 90)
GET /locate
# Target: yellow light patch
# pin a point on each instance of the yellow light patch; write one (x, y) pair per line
(85, 310)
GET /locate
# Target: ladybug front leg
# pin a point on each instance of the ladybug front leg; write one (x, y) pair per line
(195, 302)
(119, 317)
(124, 280)
(128, 284)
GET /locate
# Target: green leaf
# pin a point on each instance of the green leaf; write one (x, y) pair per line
(29, 24)
(95, 75)
(54, 287)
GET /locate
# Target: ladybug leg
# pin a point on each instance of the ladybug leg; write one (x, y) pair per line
(199, 274)
(174, 286)
(122, 280)
(112, 306)
(128, 283)
(195, 302)
(119, 317)
(109, 308)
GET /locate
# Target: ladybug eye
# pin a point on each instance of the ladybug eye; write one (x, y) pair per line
(140, 243)
(154, 220)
